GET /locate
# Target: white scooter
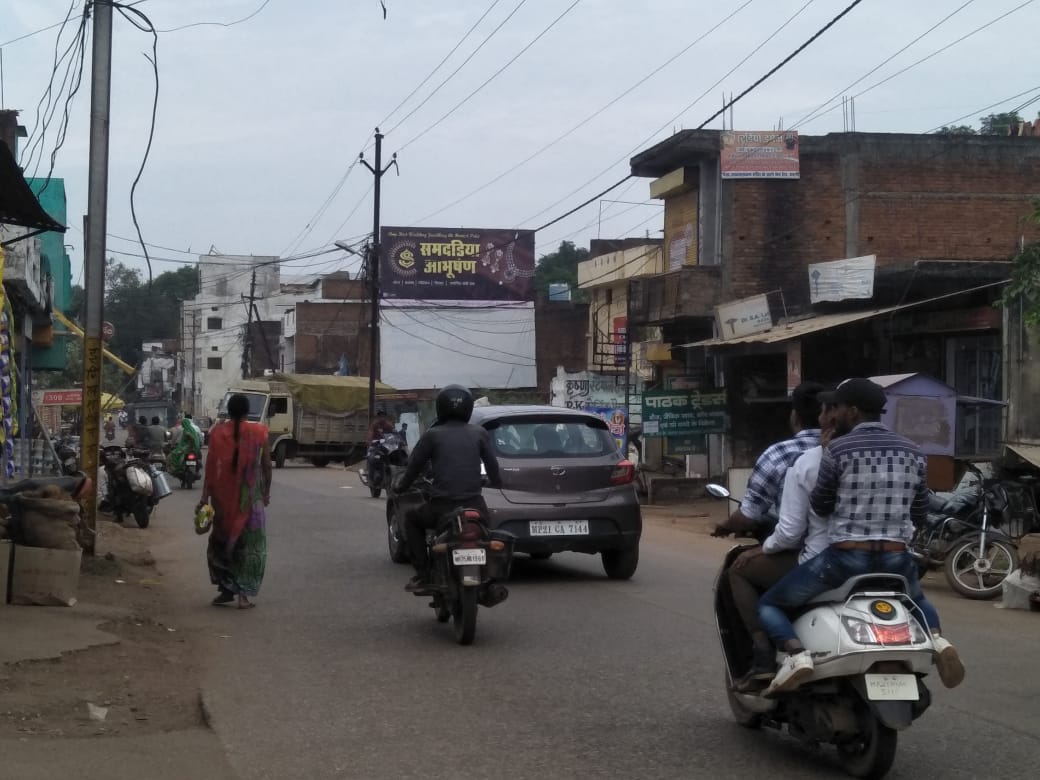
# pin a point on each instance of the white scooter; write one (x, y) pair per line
(870, 656)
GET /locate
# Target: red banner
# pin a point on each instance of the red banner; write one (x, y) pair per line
(62, 398)
(769, 154)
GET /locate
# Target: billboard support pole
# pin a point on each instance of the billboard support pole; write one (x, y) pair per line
(373, 270)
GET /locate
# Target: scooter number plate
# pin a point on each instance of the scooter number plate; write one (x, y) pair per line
(476, 557)
(892, 687)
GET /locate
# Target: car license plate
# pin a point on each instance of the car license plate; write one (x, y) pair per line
(559, 528)
(892, 687)
(476, 557)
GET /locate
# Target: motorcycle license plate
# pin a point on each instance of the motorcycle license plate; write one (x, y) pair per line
(476, 557)
(559, 528)
(892, 687)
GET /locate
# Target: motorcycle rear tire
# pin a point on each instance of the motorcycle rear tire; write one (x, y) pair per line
(142, 514)
(464, 616)
(874, 756)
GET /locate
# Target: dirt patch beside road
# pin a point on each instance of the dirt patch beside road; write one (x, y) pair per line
(143, 683)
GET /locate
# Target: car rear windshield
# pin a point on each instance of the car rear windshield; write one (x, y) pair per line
(534, 438)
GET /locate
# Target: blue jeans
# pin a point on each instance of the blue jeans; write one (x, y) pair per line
(828, 570)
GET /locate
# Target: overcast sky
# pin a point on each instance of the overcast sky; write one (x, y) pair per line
(259, 121)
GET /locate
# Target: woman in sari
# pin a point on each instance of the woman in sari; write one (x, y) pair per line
(238, 485)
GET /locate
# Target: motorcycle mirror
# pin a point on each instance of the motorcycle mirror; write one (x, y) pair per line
(716, 491)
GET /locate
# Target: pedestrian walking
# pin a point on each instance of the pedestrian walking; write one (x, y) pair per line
(238, 485)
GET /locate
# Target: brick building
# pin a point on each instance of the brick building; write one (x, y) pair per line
(318, 335)
(941, 214)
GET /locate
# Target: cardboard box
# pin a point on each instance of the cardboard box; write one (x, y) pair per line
(6, 551)
(45, 577)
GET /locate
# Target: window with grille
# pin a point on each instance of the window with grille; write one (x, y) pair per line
(215, 362)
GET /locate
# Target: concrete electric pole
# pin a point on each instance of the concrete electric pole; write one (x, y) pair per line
(94, 257)
(373, 272)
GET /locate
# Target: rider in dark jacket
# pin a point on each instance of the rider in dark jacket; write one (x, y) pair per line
(455, 450)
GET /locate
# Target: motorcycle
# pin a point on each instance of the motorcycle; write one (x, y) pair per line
(389, 450)
(466, 563)
(871, 655)
(190, 470)
(67, 451)
(975, 555)
(134, 485)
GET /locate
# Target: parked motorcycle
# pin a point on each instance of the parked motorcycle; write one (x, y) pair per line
(871, 655)
(391, 449)
(467, 563)
(134, 486)
(975, 555)
(67, 450)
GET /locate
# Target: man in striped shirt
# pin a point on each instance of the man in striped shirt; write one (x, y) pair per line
(872, 486)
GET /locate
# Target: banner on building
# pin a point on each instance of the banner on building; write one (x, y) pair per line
(769, 154)
(841, 280)
(620, 341)
(684, 413)
(457, 264)
(617, 421)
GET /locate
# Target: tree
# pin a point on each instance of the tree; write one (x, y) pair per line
(1025, 277)
(140, 312)
(999, 124)
(560, 266)
(956, 130)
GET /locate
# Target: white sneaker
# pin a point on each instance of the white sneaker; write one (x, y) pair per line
(951, 670)
(794, 670)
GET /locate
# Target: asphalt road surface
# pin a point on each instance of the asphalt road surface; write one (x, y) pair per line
(341, 674)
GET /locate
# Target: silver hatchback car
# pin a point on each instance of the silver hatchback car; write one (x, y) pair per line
(565, 486)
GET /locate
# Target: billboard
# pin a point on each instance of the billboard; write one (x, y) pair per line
(841, 280)
(682, 413)
(743, 317)
(770, 154)
(457, 264)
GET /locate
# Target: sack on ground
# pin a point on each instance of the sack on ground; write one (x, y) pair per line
(48, 522)
(1018, 588)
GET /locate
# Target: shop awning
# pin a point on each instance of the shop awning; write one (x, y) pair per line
(18, 205)
(1028, 452)
(804, 327)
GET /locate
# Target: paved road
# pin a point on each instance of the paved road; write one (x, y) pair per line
(340, 673)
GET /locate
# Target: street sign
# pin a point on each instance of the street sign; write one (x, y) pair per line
(684, 412)
(108, 330)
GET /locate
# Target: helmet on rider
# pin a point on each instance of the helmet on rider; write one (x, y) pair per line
(454, 402)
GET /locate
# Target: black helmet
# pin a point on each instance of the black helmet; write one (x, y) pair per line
(454, 402)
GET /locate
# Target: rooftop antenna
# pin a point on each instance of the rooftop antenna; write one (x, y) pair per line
(852, 102)
(731, 125)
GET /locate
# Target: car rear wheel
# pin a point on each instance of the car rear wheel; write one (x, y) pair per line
(621, 564)
(279, 456)
(540, 556)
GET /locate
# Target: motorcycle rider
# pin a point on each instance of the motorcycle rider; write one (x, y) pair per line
(156, 435)
(758, 509)
(185, 439)
(455, 449)
(110, 427)
(382, 424)
(872, 488)
(799, 535)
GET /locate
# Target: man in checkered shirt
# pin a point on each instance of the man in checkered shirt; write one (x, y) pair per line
(760, 506)
(872, 485)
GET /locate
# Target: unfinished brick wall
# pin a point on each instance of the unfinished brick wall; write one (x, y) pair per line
(903, 198)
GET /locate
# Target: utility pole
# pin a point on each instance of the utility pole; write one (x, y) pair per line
(194, 360)
(247, 349)
(94, 257)
(373, 272)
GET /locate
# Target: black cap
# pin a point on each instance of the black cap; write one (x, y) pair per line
(865, 395)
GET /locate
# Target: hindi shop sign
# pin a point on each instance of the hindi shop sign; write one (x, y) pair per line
(769, 154)
(684, 412)
(457, 264)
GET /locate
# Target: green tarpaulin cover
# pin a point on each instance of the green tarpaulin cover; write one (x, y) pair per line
(337, 394)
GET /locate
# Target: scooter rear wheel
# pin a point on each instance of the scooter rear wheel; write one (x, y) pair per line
(873, 755)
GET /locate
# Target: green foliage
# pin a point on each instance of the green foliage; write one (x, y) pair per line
(113, 379)
(956, 130)
(560, 266)
(141, 313)
(998, 124)
(1025, 277)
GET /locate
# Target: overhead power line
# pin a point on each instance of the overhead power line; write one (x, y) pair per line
(261, 7)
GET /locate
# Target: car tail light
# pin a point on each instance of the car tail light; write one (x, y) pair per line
(623, 473)
(470, 532)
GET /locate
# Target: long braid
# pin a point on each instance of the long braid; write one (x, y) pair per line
(237, 408)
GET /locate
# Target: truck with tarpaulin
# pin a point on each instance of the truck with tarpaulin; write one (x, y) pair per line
(319, 418)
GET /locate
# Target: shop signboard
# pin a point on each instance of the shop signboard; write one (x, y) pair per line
(766, 154)
(682, 413)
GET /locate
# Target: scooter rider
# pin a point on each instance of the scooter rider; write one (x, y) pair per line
(455, 449)
(871, 487)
